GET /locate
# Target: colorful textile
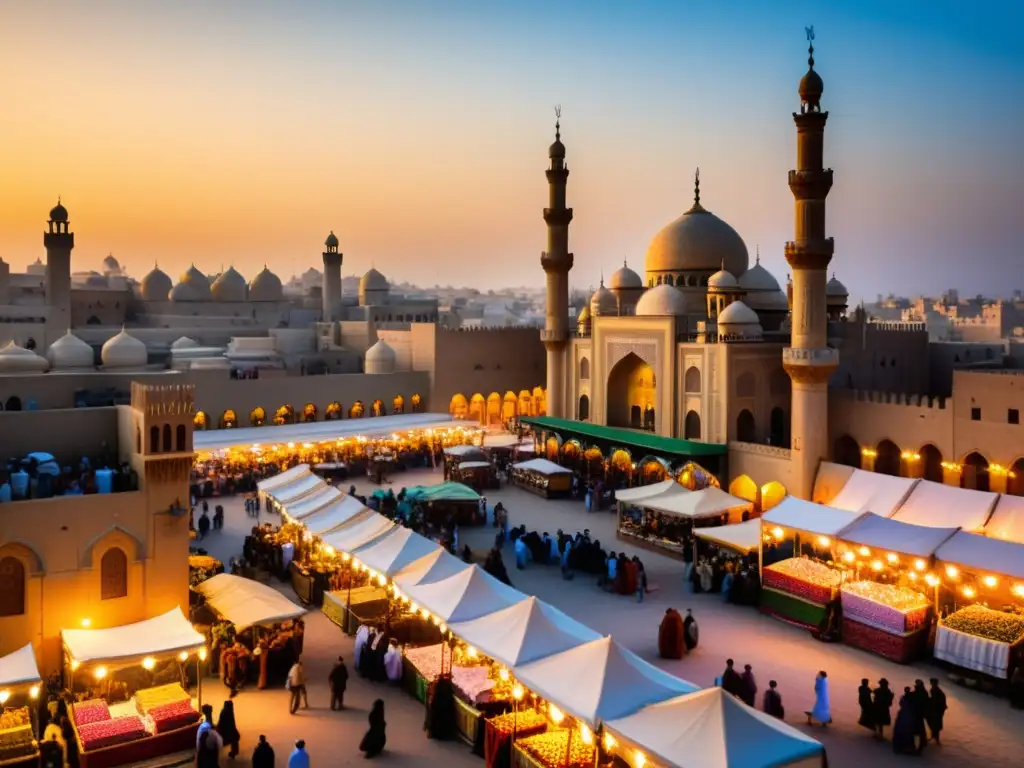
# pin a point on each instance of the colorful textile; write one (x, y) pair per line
(106, 733)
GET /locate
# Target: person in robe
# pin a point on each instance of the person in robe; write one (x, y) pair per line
(749, 694)
(691, 634)
(727, 581)
(263, 755)
(338, 679)
(936, 710)
(773, 701)
(631, 577)
(822, 711)
(1017, 688)
(731, 680)
(905, 729)
(881, 707)
(867, 706)
(706, 575)
(228, 729)
(522, 552)
(364, 664)
(921, 707)
(671, 642)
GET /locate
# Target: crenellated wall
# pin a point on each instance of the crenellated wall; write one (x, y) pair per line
(910, 421)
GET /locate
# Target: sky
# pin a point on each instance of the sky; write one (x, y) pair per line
(241, 133)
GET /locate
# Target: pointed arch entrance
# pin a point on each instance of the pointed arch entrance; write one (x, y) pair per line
(632, 390)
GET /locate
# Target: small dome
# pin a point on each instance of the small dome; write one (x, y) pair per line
(266, 286)
(768, 301)
(603, 302)
(738, 313)
(16, 359)
(757, 278)
(58, 212)
(661, 300)
(124, 351)
(811, 88)
(185, 343)
(156, 285)
(111, 264)
(230, 286)
(373, 281)
(625, 279)
(332, 240)
(722, 281)
(380, 358)
(193, 285)
(836, 289)
(69, 351)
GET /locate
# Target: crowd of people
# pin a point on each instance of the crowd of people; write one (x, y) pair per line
(737, 579)
(920, 710)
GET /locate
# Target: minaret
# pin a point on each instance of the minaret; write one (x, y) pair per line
(809, 361)
(557, 261)
(59, 242)
(331, 284)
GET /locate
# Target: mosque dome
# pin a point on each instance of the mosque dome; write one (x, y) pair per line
(266, 286)
(661, 300)
(156, 285)
(380, 358)
(811, 87)
(124, 351)
(16, 359)
(184, 343)
(229, 286)
(722, 281)
(58, 212)
(373, 281)
(738, 319)
(757, 278)
(332, 240)
(624, 279)
(603, 302)
(110, 264)
(835, 290)
(69, 351)
(768, 301)
(193, 285)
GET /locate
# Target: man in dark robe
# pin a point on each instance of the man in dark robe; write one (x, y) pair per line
(773, 701)
(919, 698)
(936, 710)
(339, 681)
(731, 681)
(690, 632)
(749, 693)
(671, 644)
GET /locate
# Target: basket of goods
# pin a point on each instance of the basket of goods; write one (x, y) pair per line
(107, 733)
(16, 740)
(169, 717)
(979, 638)
(149, 699)
(526, 721)
(203, 567)
(885, 606)
(979, 621)
(91, 711)
(803, 578)
(549, 749)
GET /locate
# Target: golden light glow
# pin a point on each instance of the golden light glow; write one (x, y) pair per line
(990, 581)
(86, 623)
(912, 576)
(4, 696)
(183, 656)
(824, 541)
(920, 564)
(381, 579)
(640, 760)
(968, 592)
(849, 557)
(33, 692)
(329, 550)
(952, 571)
(931, 580)
(345, 556)
(203, 653)
(424, 613)
(609, 742)
(471, 652)
(777, 532)
(413, 608)
(877, 565)
(148, 663)
(518, 692)
(503, 675)
(586, 734)
(1018, 590)
(892, 558)
(444, 629)
(100, 673)
(557, 715)
(864, 552)
(74, 665)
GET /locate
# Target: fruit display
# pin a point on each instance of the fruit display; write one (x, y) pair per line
(169, 717)
(16, 743)
(549, 749)
(14, 718)
(202, 567)
(525, 720)
(979, 621)
(106, 733)
(91, 711)
(149, 699)
(885, 606)
(806, 579)
(791, 609)
(901, 648)
(472, 683)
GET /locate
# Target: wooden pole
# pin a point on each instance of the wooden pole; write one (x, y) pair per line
(568, 747)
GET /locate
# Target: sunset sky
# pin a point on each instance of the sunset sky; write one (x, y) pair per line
(242, 132)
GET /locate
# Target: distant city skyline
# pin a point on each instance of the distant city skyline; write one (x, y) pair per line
(241, 134)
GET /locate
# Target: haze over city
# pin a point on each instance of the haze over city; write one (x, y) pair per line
(242, 133)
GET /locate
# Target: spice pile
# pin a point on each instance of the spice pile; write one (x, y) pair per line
(803, 578)
(149, 699)
(16, 734)
(526, 720)
(886, 606)
(106, 733)
(91, 711)
(549, 748)
(985, 623)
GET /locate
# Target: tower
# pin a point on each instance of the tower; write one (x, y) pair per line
(557, 261)
(59, 242)
(331, 280)
(808, 360)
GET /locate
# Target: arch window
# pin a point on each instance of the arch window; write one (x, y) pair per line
(931, 463)
(356, 411)
(508, 406)
(154, 439)
(476, 407)
(668, 280)
(458, 407)
(180, 438)
(398, 405)
(199, 421)
(846, 451)
(12, 587)
(417, 404)
(229, 420)
(691, 381)
(1015, 480)
(377, 408)
(584, 410)
(113, 574)
(746, 427)
(257, 417)
(584, 369)
(778, 432)
(167, 438)
(974, 474)
(888, 459)
(493, 407)
(649, 415)
(691, 427)
(333, 412)
(308, 413)
(284, 415)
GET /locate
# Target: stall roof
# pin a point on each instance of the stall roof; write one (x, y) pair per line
(344, 511)
(713, 729)
(873, 492)
(829, 481)
(246, 602)
(504, 440)
(297, 489)
(19, 668)
(946, 506)
(600, 681)
(436, 566)
(880, 532)
(465, 450)
(526, 631)
(809, 517)
(988, 555)
(321, 431)
(543, 466)
(647, 491)
(707, 502)
(167, 633)
(474, 464)
(283, 478)
(467, 595)
(313, 502)
(395, 550)
(629, 438)
(743, 537)
(351, 537)
(1007, 522)
(442, 492)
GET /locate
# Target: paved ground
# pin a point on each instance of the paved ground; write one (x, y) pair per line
(980, 729)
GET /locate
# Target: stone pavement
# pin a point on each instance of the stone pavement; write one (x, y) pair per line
(980, 729)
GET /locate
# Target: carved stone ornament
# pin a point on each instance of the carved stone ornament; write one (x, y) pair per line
(617, 348)
(809, 374)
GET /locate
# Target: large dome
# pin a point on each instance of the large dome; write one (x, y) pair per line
(373, 281)
(380, 358)
(835, 289)
(15, 359)
(124, 351)
(266, 286)
(193, 285)
(184, 343)
(156, 285)
(230, 286)
(625, 278)
(58, 212)
(696, 241)
(69, 351)
(661, 300)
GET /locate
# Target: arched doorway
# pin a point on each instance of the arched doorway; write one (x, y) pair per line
(691, 426)
(552, 448)
(1015, 479)
(199, 421)
(887, 459)
(584, 369)
(494, 408)
(746, 427)
(417, 404)
(652, 470)
(377, 408)
(691, 381)
(228, 419)
(284, 415)
(257, 416)
(594, 460)
(584, 409)
(459, 407)
(778, 428)
(572, 452)
(334, 412)
(477, 408)
(398, 405)
(931, 463)
(356, 411)
(631, 388)
(649, 420)
(308, 413)
(13, 403)
(540, 402)
(696, 478)
(508, 406)
(974, 474)
(525, 403)
(846, 451)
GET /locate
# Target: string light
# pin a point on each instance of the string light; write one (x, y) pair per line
(1018, 590)
(990, 582)
(777, 532)
(823, 541)
(329, 550)
(968, 592)
(86, 623)
(4, 696)
(518, 692)
(609, 742)
(100, 673)
(203, 653)
(183, 656)
(557, 716)
(892, 558)
(864, 552)
(849, 557)
(920, 564)
(33, 692)
(877, 565)
(912, 576)
(952, 571)
(148, 663)
(641, 759)
(586, 735)
(503, 675)
(74, 665)
(931, 580)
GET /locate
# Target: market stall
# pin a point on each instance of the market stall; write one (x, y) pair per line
(742, 537)
(664, 522)
(312, 503)
(282, 479)
(873, 492)
(478, 475)
(437, 566)
(350, 609)
(465, 596)
(640, 492)
(247, 603)
(19, 689)
(439, 501)
(282, 496)
(946, 506)
(122, 726)
(396, 549)
(346, 510)
(542, 477)
(350, 537)
(1007, 521)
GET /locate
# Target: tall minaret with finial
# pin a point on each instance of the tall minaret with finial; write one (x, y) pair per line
(331, 282)
(557, 261)
(809, 361)
(59, 241)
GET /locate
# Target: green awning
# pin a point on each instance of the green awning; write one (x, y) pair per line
(627, 438)
(442, 492)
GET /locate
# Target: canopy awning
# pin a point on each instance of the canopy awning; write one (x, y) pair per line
(442, 492)
(809, 517)
(647, 491)
(873, 492)
(474, 465)
(880, 532)
(395, 550)
(984, 554)
(646, 442)
(283, 478)
(295, 490)
(713, 729)
(344, 511)
(19, 668)
(1007, 522)
(946, 506)
(524, 632)
(247, 603)
(351, 537)
(501, 441)
(165, 634)
(467, 595)
(436, 566)
(743, 537)
(708, 502)
(312, 502)
(542, 467)
(466, 451)
(600, 681)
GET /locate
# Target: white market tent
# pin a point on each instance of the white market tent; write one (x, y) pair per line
(743, 537)
(295, 490)
(19, 668)
(642, 492)
(946, 506)
(542, 466)
(397, 549)
(351, 537)
(437, 566)
(346, 510)
(465, 450)
(168, 633)
(713, 729)
(808, 517)
(889, 535)
(829, 481)
(474, 464)
(288, 476)
(524, 632)
(312, 502)
(1007, 522)
(467, 595)
(708, 502)
(503, 440)
(600, 681)
(247, 603)
(984, 554)
(873, 492)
